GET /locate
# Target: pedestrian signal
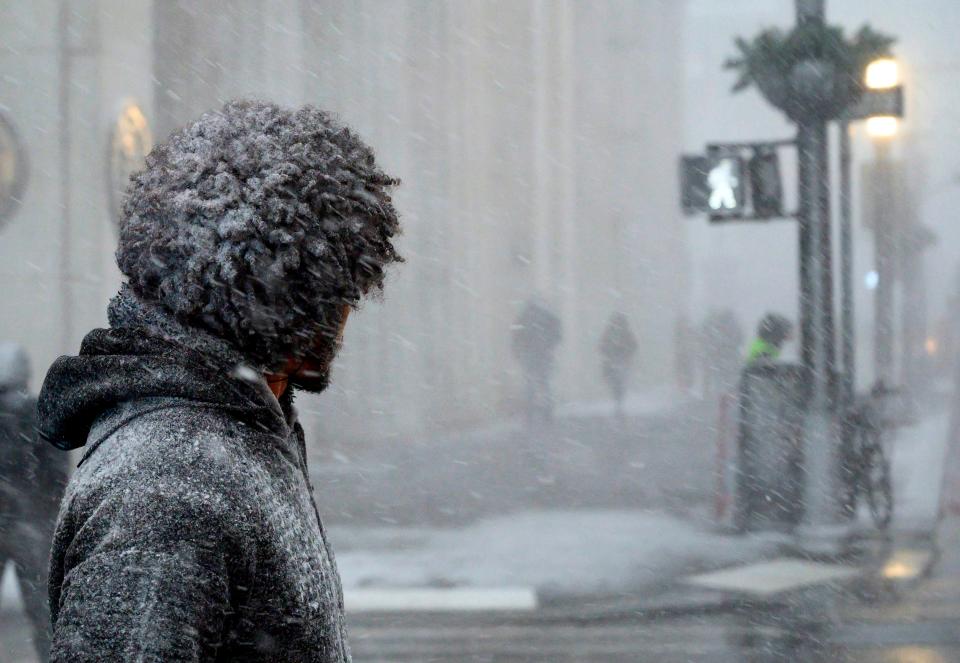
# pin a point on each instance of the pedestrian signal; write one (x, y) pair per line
(712, 184)
(725, 181)
(734, 182)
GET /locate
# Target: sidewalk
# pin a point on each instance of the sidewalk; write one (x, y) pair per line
(917, 461)
(900, 559)
(659, 457)
(559, 554)
(567, 554)
(924, 620)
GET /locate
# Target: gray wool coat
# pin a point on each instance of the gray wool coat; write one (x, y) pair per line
(189, 531)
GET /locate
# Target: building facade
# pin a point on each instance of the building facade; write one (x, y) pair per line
(536, 140)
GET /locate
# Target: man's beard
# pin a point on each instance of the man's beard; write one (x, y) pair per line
(313, 375)
(312, 381)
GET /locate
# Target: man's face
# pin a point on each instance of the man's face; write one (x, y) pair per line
(313, 372)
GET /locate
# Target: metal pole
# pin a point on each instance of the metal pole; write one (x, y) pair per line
(913, 240)
(846, 266)
(883, 230)
(912, 307)
(816, 303)
(815, 256)
(812, 9)
(805, 168)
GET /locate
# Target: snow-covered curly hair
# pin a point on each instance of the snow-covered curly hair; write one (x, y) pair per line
(258, 224)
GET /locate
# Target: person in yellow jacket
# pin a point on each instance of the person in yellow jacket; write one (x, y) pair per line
(773, 332)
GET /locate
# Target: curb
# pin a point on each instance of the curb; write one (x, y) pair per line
(663, 606)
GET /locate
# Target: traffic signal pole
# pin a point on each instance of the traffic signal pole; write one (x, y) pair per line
(847, 334)
(884, 230)
(810, 94)
(816, 297)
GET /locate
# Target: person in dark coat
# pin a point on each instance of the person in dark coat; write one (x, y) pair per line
(32, 478)
(773, 331)
(536, 336)
(618, 349)
(190, 531)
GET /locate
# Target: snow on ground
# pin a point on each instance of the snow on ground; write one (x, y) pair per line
(917, 462)
(565, 552)
(635, 404)
(10, 600)
(587, 551)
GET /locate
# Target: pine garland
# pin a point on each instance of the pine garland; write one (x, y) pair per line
(769, 60)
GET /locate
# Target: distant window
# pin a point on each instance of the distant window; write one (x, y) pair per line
(130, 142)
(13, 169)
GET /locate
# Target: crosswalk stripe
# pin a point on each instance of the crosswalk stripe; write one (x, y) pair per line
(433, 599)
(773, 577)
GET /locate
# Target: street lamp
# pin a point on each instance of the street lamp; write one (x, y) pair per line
(899, 240)
(882, 127)
(882, 74)
(880, 107)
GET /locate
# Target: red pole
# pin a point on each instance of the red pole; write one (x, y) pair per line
(721, 499)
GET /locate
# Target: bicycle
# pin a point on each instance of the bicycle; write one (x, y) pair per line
(866, 467)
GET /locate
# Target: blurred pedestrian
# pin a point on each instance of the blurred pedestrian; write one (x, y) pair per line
(189, 532)
(946, 339)
(32, 478)
(536, 335)
(618, 349)
(773, 331)
(720, 348)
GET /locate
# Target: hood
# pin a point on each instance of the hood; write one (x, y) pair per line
(145, 353)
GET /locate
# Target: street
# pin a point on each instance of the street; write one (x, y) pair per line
(660, 457)
(715, 640)
(883, 617)
(664, 618)
(854, 625)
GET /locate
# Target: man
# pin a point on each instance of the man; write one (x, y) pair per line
(618, 348)
(32, 477)
(189, 531)
(535, 339)
(773, 332)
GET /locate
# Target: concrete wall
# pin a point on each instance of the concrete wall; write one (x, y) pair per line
(536, 141)
(63, 84)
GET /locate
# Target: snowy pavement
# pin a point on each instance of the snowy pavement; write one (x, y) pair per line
(917, 461)
(652, 401)
(660, 457)
(570, 552)
(555, 552)
(597, 551)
